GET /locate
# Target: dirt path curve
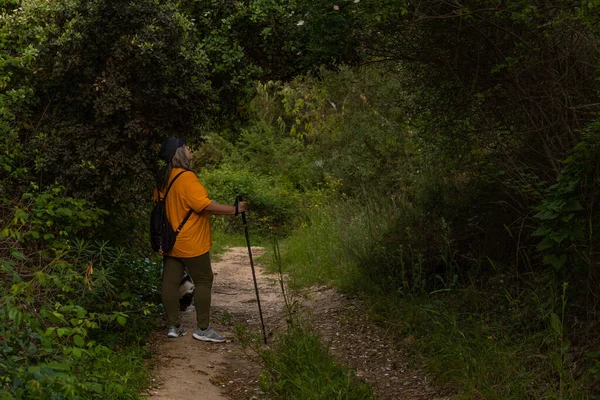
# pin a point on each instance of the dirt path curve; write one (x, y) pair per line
(189, 369)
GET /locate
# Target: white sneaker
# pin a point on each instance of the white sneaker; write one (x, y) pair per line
(208, 335)
(176, 331)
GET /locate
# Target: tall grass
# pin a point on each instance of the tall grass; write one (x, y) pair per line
(315, 255)
(480, 339)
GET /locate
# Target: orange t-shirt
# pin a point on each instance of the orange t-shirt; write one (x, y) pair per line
(187, 193)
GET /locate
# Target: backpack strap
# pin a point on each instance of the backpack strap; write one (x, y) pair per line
(171, 184)
(189, 214)
(180, 227)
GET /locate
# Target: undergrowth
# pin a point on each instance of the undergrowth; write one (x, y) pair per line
(299, 368)
(74, 313)
(493, 338)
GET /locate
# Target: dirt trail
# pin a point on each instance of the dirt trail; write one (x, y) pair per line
(189, 369)
(186, 368)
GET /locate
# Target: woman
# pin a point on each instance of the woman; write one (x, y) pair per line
(191, 249)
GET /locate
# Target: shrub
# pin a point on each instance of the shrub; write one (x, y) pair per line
(65, 302)
(274, 203)
(63, 330)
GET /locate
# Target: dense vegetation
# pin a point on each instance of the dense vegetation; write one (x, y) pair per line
(438, 156)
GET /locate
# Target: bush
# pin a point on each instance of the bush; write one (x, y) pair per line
(72, 312)
(274, 203)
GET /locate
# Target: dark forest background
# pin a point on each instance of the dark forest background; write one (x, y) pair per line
(439, 157)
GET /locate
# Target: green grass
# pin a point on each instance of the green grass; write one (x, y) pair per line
(314, 254)
(300, 368)
(468, 352)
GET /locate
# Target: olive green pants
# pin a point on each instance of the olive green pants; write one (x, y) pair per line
(201, 273)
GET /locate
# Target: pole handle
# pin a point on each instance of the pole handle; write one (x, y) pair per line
(238, 198)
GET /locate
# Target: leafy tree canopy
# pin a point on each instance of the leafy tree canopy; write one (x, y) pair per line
(90, 88)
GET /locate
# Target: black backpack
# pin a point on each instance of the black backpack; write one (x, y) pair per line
(162, 235)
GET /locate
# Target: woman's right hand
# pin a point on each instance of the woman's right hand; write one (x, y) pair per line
(242, 207)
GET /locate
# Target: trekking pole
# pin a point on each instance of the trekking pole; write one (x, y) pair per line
(262, 322)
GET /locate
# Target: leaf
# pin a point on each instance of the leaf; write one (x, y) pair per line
(64, 211)
(556, 361)
(541, 231)
(15, 315)
(121, 320)
(545, 244)
(77, 352)
(593, 354)
(556, 324)
(6, 263)
(17, 255)
(556, 261)
(96, 387)
(567, 218)
(560, 236)
(556, 205)
(22, 215)
(576, 232)
(546, 215)
(39, 276)
(78, 340)
(572, 205)
(64, 331)
(47, 343)
(59, 366)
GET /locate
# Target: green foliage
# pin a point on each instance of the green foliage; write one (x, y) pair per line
(267, 150)
(348, 125)
(566, 216)
(323, 35)
(71, 311)
(350, 132)
(49, 217)
(91, 87)
(472, 63)
(274, 204)
(486, 350)
(319, 243)
(58, 324)
(355, 239)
